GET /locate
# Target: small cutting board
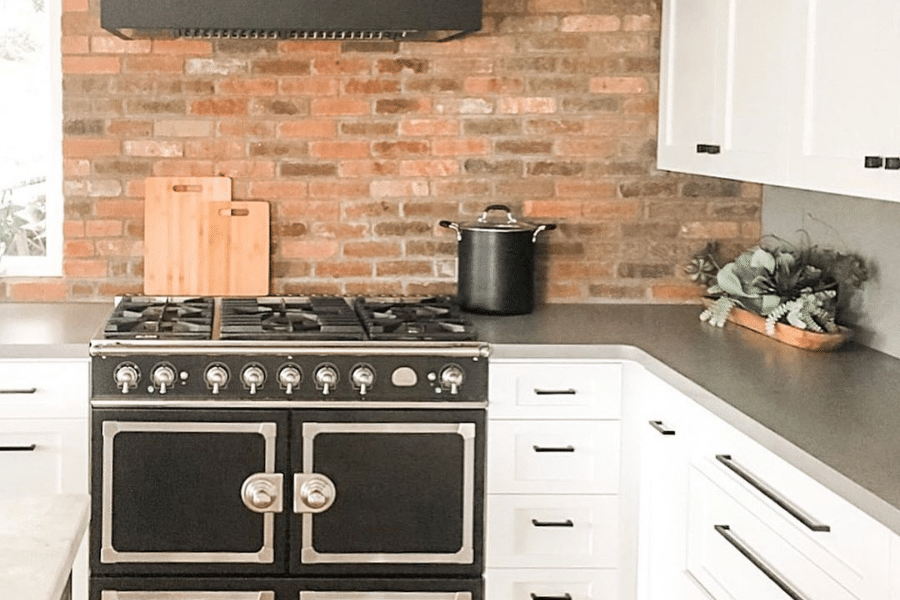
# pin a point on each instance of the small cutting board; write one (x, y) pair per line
(197, 242)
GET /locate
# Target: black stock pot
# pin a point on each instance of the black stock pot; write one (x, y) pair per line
(495, 273)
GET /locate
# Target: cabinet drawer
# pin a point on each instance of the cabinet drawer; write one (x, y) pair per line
(560, 457)
(837, 536)
(44, 457)
(551, 390)
(561, 584)
(535, 531)
(45, 389)
(736, 556)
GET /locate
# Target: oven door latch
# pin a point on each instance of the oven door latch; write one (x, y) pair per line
(313, 493)
(262, 492)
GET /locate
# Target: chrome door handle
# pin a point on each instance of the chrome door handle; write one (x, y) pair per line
(661, 427)
(758, 562)
(313, 493)
(764, 489)
(262, 492)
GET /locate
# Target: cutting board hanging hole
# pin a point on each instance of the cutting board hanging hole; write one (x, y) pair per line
(187, 188)
(234, 212)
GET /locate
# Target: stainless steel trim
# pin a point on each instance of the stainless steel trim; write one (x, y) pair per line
(758, 562)
(661, 428)
(326, 404)
(385, 595)
(473, 350)
(763, 488)
(116, 595)
(466, 553)
(108, 554)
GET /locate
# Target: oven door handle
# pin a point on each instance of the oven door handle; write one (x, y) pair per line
(262, 492)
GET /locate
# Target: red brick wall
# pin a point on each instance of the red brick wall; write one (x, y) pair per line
(360, 148)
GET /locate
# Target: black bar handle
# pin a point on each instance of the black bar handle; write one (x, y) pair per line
(758, 562)
(29, 448)
(764, 489)
(874, 162)
(892, 163)
(708, 149)
(552, 449)
(660, 427)
(568, 392)
(565, 596)
(566, 523)
(19, 391)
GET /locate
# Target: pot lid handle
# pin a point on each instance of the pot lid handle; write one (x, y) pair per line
(509, 217)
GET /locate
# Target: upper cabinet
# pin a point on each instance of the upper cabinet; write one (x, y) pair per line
(799, 93)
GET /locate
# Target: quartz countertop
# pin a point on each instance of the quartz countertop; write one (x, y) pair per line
(835, 415)
(39, 537)
(50, 330)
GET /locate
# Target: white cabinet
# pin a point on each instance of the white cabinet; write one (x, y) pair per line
(722, 61)
(799, 93)
(895, 567)
(44, 435)
(554, 450)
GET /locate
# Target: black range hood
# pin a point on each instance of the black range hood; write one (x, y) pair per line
(398, 20)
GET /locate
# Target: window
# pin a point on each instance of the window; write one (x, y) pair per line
(31, 196)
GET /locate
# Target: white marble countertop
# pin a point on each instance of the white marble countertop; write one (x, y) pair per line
(50, 330)
(39, 537)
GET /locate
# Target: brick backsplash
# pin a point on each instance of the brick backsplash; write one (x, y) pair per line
(361, 147)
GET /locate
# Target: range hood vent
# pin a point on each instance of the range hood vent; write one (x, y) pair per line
(366, 20)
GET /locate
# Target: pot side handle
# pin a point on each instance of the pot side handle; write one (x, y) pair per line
(453, 226)
(540, 228)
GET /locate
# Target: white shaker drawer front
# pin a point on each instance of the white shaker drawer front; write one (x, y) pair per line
(43, 389)
(736, 556)
(36, 456)
(552, 531)
(559, 457)
(548, 390)
(547, 584)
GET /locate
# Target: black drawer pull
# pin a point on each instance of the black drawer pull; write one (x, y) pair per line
(758, 562)
(874, 162)
(764, 489)
(892, 163)
(566, 523)
(562, 597)
(708, 149)
(29, 448)
(21, 391)
(568, 392)
(551, 449)
(660, 427)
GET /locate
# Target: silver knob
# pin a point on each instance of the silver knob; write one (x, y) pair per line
(313, 493)
(452, 377)
(362, 377)
(126, 376)
(326, 378)
(163, 376)
(253, 377)
(216, 377)
(261, 492)
(289, 377)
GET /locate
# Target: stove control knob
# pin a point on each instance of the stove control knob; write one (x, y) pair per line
(452, 377)
(289, 377)
(163, 376)
(216, 377)
(362, 377)
(126, 376)
(326, 377)
(253, 376)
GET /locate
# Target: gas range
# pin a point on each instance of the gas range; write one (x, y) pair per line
(292, 349)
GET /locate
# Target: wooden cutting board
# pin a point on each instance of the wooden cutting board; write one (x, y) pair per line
(197, 242)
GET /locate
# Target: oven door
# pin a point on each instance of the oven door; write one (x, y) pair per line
(185, 491)
(388, 492)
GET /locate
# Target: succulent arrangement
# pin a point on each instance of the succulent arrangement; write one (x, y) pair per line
(804, 286)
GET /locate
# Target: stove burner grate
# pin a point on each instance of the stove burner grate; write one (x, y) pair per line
(317, 318)
(434, 318)
(146, 318)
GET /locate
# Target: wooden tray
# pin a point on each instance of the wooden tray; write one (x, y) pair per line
(800, 338)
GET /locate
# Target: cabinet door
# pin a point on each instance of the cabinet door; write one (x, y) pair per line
(43, 456)
(851, 98)
(895, 567)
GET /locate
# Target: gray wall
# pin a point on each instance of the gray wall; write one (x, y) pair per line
(868, 227)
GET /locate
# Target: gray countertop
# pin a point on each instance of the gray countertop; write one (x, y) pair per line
(39, 537)
(835, 415)
(48, 330)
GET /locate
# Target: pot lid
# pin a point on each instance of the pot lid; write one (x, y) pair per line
(488, 222)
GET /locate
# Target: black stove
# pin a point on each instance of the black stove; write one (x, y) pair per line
(292, 349)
